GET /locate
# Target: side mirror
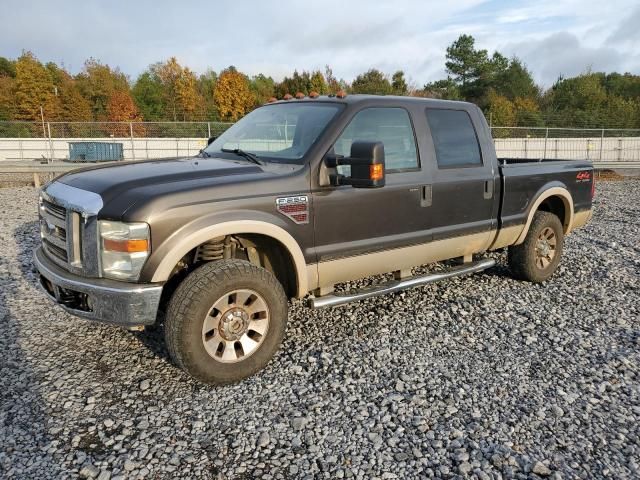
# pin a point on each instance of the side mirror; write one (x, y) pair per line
(211, 140)
(367, 166)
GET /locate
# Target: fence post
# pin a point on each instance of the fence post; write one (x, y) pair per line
(619, 149)
(601, 143)
(133, 147)
(50, 143)
(546, 137)
(209, 130)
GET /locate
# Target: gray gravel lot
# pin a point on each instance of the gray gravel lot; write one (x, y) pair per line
(481, 376)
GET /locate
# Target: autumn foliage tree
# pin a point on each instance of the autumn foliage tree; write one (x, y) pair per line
(180, 92)
(98, 83)
(502, 87)
(122, 108)
(33, 89)
(233, 96)
(188, 97)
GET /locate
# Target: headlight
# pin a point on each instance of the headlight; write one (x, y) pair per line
(124, 247)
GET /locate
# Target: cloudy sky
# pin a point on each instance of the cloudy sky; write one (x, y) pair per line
(553, 37)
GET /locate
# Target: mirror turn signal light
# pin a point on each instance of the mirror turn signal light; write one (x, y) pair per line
(376, 171)
(127, 246)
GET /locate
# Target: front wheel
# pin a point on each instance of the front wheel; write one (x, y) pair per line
(538, 256)
(225, 321)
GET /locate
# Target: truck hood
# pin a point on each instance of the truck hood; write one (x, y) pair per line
(123, 185)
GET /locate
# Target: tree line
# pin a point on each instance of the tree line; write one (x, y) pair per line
(166, 91)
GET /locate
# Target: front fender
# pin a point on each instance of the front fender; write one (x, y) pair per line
(182, 241)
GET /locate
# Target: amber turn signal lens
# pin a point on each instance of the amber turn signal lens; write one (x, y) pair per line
(128, 246)
(376, 172)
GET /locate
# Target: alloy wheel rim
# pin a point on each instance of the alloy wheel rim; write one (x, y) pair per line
(235, 326)
(545, 250)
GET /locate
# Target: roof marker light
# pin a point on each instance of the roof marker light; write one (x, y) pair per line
(272, 99)
(341, 94)
(299, 95)
(288, 96)
(314, 94)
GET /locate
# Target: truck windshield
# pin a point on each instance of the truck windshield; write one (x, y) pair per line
(279, 132)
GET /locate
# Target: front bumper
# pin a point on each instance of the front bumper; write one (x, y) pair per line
(110, 301)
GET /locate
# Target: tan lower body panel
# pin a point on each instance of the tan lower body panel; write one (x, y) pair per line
(361, 266)
(506, 236)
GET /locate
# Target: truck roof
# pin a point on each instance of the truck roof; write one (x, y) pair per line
(352, 99)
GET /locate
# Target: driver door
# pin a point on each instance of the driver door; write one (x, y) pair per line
(355, 222)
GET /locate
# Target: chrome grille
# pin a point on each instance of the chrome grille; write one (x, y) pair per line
(58, 228)
(55, 251)
(55, 210)
(69, 227)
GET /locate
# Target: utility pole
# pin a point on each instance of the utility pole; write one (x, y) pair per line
(44, 132)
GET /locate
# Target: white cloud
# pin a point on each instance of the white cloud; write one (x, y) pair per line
(275, 37)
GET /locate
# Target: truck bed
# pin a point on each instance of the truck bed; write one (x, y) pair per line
(523, 180)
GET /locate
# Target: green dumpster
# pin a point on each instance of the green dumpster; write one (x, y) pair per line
(95, 151)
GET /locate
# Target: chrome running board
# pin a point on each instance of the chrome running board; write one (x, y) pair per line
(397, 285)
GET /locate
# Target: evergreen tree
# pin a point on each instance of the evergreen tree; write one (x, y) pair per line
(399, 84)
(372, 82)
(148, 95)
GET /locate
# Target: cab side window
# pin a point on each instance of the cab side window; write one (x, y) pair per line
(392, 127)
(454, 138)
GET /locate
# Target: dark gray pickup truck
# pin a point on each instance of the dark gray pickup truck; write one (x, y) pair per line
(298, 196)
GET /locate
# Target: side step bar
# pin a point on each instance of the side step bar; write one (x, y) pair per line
(397, 285)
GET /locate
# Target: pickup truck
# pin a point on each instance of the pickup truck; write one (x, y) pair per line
(296, 197)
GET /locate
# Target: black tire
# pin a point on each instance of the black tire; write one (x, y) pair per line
(194, 300)
(524, 259)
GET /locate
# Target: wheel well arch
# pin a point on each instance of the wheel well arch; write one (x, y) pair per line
(272, 255)
(273, 245)
(556, 205)
(556, 200)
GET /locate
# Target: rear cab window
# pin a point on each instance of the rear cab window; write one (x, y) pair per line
(454, 138)
(389, 125)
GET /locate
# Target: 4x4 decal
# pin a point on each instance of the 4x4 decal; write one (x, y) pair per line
(296, 208)
(583, 177)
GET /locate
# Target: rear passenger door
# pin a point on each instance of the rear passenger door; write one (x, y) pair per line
(464, 186)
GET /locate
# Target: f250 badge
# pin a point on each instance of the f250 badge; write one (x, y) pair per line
(296, 208)
(583, 177)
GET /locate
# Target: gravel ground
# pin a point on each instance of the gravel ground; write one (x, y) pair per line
(481, 376)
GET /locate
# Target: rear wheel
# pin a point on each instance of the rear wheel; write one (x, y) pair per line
(538, 256)
(225, 321)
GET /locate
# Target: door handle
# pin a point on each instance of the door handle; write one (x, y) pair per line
(488, 189)
(426, 197)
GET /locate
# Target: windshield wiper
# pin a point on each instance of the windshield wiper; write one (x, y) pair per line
(238, 151)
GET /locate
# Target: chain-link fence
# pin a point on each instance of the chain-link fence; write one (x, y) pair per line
(135, 140)
(21, 141)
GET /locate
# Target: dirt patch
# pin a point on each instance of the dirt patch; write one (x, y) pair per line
(611, 176)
